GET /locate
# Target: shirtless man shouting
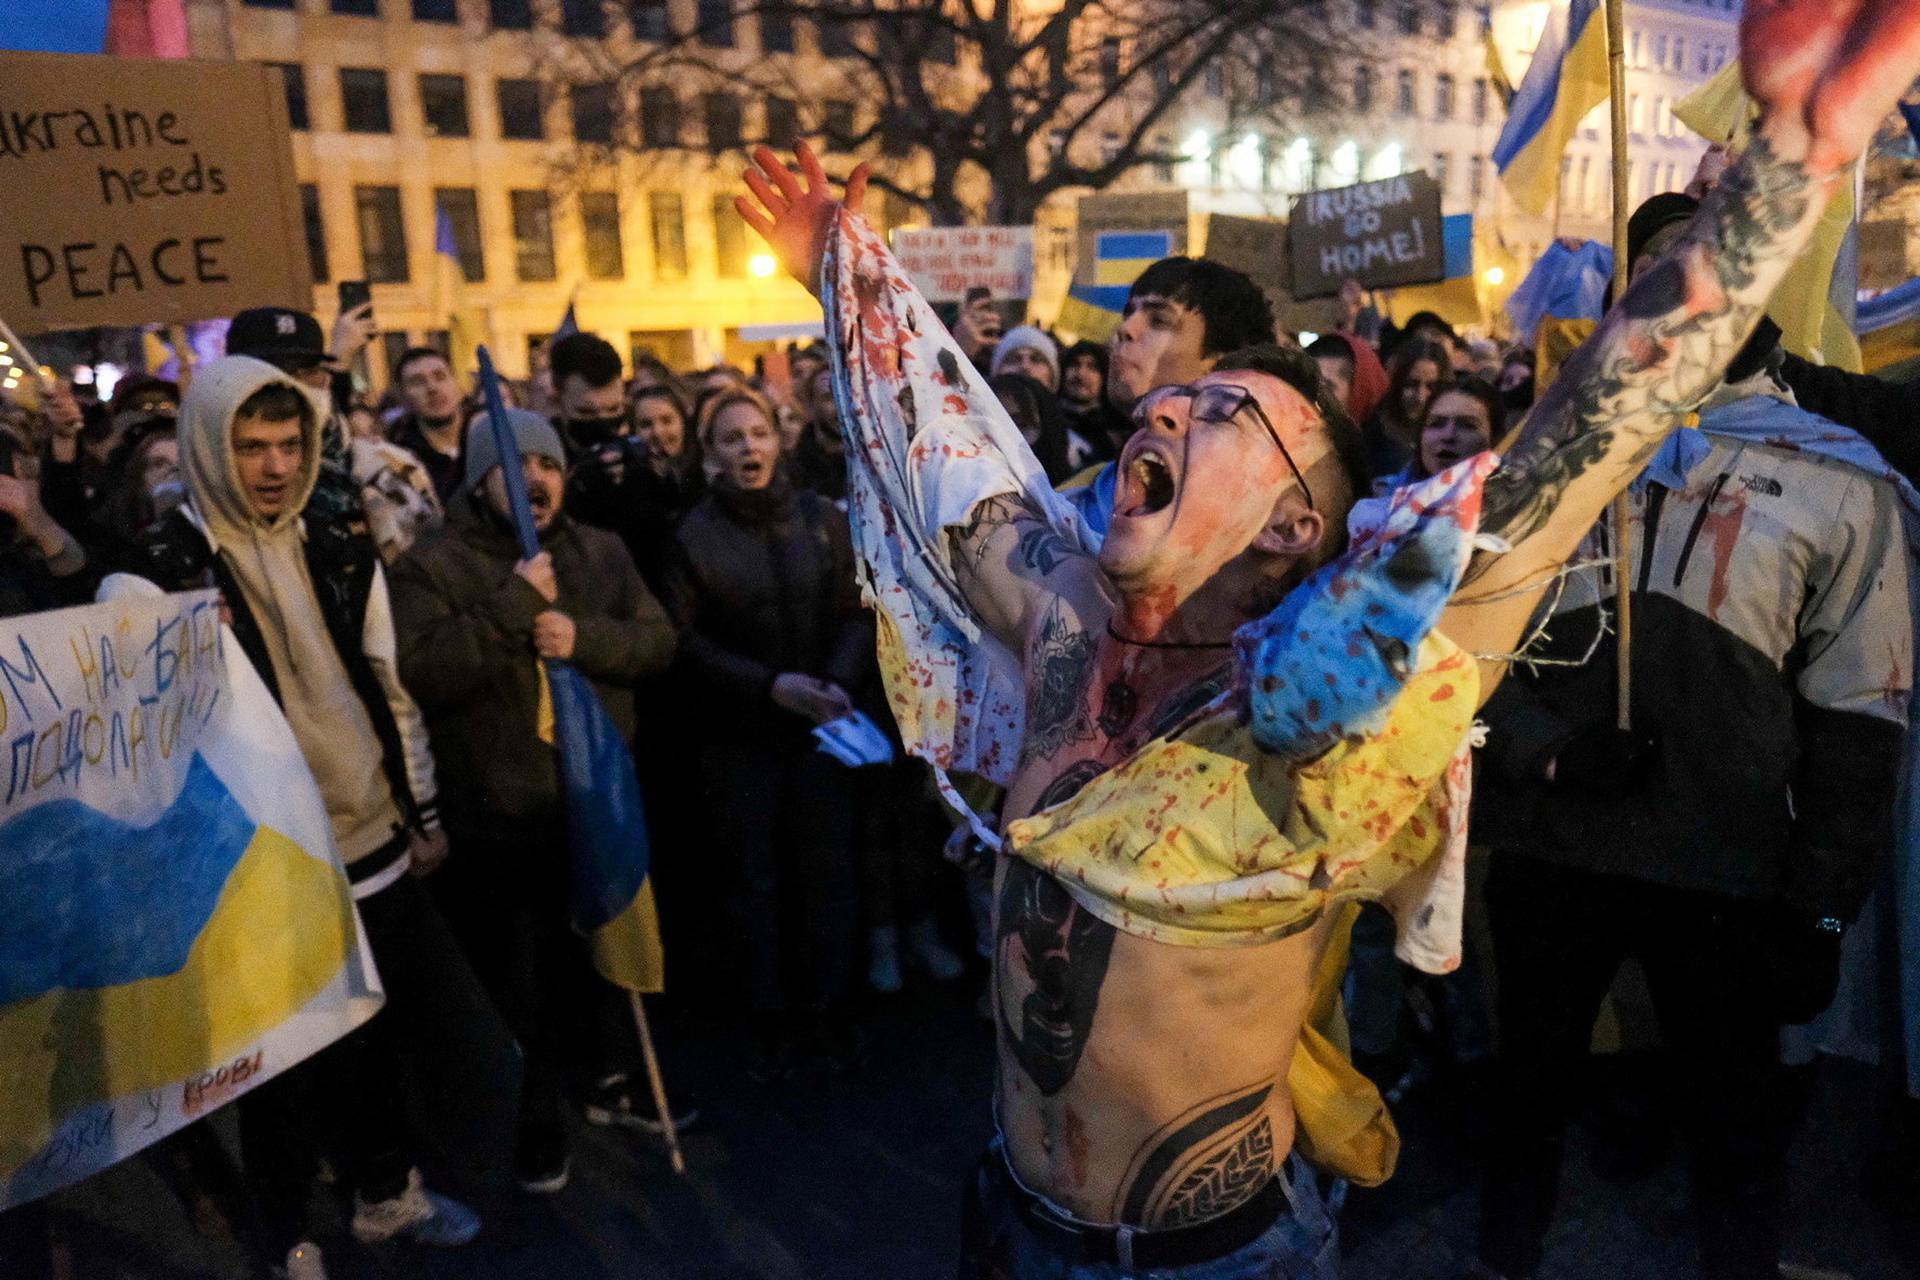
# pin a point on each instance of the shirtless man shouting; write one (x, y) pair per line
(1183, 810)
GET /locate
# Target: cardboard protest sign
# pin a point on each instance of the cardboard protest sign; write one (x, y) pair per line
(1255, 246)
(169, 196)
(1381, 233)
(178, 927)
(944, 262)
(1110, 212)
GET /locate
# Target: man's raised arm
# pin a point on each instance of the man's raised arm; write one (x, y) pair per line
(1824, 73)
(939, 478)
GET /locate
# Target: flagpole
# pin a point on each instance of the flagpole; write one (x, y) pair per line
(657, 1084)
(1622, 530)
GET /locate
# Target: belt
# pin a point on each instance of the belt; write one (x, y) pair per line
(1136, 1248)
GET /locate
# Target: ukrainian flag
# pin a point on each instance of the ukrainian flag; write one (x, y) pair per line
(1093, 310)
(177, 927)
(1566, 80)
(606, 828)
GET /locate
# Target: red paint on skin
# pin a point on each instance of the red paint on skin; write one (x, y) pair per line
(1074, 1144)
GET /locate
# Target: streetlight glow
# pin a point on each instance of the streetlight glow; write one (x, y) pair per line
(762, 265)
(1495, 276)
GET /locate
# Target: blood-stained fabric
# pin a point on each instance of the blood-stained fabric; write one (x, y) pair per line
(1287, 800)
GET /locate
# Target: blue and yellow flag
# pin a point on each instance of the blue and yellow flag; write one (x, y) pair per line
(606, 828)
(1092, 311)
(1567, 79)
(177, 926)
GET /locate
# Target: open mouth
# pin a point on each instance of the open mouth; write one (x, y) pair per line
(1149, 484)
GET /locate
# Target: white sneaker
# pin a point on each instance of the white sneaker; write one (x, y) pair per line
(423, 1216)
(883, 964)
(303, 1263)
(940, 962)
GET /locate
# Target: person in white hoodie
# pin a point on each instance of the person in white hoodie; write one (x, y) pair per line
(308, 604)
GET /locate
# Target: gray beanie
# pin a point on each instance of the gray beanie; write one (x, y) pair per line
(531, 434)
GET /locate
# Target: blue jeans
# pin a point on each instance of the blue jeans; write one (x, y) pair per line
(997, 1243)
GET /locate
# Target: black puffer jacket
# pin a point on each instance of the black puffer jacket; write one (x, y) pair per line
(764, 584)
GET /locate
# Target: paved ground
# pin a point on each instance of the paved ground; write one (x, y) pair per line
(859, 1180)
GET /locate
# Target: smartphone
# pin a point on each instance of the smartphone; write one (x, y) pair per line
(354, 293)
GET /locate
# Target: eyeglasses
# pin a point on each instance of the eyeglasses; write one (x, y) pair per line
(1222, 402)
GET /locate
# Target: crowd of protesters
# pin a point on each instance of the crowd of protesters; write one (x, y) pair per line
(696, 568)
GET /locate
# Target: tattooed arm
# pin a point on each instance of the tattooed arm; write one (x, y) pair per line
(1824, 74)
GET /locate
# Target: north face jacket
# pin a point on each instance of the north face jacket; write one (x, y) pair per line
(1772, 659)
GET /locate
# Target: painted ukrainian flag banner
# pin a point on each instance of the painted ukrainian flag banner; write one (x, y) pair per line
(175, 926)
(1566, 80)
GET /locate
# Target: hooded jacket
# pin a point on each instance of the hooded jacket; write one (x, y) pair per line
(310, 610)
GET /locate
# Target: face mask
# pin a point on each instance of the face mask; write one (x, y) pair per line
(589, 432)
(166, 496)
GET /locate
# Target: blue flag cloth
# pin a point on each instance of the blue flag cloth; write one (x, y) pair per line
(606, 828)
(1568, 283)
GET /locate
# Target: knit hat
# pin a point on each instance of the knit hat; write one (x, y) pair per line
(1026, 336)
(1655, 214)
(531, 434)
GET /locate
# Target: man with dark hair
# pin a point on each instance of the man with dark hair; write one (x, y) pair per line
(309, 608)
(1209, 745)
(590, 404)
(430, 429)
(1182, 314)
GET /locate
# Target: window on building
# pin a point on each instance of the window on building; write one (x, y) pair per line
(1633, 50)
(316, 233)
(659, 117)
(837, 119)
(293, 78)
(363, 96)
(600, 219)
(383, 235)
(1443, 96)
(713, 23)
(268, 4)
(510, 15)
(593, 110)
(723, 120)
(783, 121)
(1636, 114)
(729, 239)
(460, 209)
(443, 104)
(1448, 25)
(1216, 80)
(1403, 96)
(356, 8)
(1477, 178)
(1442, 170)
(1363, 88)
(1583, 195)
(1364, 13)
(836, 38)
(583, 18)
(650, 20)
(776, 33)
(521, 113)
(1266, 85)
(667, 216)
(1660, 50)
(1109, 61)
(1484, 12)
(1481, 89)
(532, 235)
(436, 10)
(393, 345)
(1409, 18)
(1679, 53)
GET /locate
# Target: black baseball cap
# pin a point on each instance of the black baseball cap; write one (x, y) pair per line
(278, 335)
